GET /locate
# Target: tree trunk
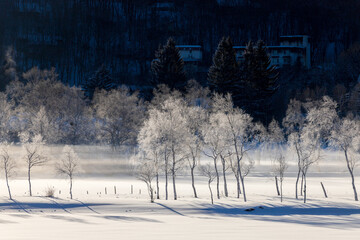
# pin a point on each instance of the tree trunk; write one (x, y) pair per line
(157, 187)
(7, 184)
(193, 180)
(71, 196)
(166, 179)
(173, 176)
(151, 193)
(243, 187)
(304, 176)
(217, 180)
(352, 176)
(281, 191)
(277, 186)
(29, 179)
(238, 192)
(224, 176)
(302, 184)
(296, 184)
(240, 174)
(298, 175)
(211, 194)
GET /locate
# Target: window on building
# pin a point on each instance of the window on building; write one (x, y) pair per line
(286, 59)
(275, 59)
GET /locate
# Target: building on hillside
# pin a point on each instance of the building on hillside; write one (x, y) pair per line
(292, 50)
(190, 53)
(192, 56)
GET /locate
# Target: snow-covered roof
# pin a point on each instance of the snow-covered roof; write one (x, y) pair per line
(273, 47)
(294, 36)
(188, 46)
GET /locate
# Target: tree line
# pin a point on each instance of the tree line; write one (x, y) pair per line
(181, 130)
(171, 132)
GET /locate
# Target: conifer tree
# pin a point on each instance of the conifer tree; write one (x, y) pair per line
(261, 78)
(257, 68)
(168, 67)
(100, 80)
(223, 74)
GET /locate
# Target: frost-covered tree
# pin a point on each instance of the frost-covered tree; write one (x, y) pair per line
(174, 130)
(154, 149)
(240, 131)
(293, 122)
(34, 153)
(7, 164)
(7, 122)
(46, 106)
(146, 172)
(274, 146)
(208, 171)
(74, 118)
(215, 143)
(195, 117)
(170, 129)
(119, 116)
(279, 167)
(308, 126)
(68, 165)
(197, 95)
(346, 137)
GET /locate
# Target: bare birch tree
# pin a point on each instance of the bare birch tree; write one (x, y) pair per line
(68, 166)
(208, 171)
(309, 125)
(195, 118)
(151, 143)
(240, 130)
(147, 172)
(34, 155)
(214, 140)
(7, 164)
(170, 127)
(275, 140)
(279, 167)
(346, 137)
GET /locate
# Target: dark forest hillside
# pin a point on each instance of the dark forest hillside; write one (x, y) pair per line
(77, 36)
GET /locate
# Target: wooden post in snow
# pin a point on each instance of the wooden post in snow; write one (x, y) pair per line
(323, 188)
(115, 190)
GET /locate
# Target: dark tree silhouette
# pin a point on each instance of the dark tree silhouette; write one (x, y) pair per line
(223, 74)
(261, 80)
(100, 80)
(168, 67)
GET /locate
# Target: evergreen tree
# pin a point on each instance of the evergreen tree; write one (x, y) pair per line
(168, 67)
(258, 71)
(261, 80)
(223, 74)
(8, 69)
(101, 79)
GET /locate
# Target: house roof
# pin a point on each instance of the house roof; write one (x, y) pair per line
(274, 47)
(188, 46)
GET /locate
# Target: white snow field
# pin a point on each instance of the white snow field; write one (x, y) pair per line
(92, 214)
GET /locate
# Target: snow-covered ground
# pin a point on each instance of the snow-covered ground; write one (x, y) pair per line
(92, 214)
